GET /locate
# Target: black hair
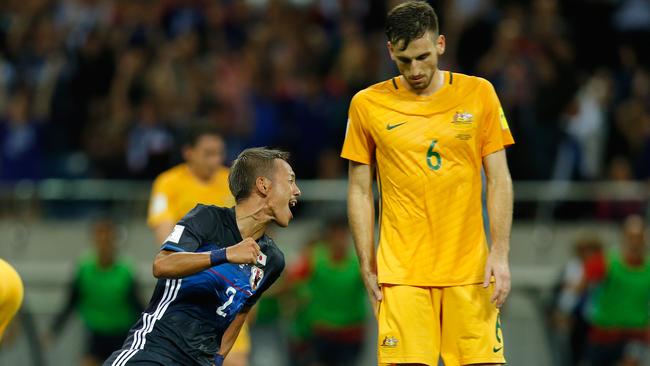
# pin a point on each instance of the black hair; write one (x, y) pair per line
(409, 21)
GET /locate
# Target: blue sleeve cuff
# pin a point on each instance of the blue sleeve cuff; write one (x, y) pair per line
(172, 247)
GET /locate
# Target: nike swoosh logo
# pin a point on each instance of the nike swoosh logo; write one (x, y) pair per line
(390, 127)
(495, 349)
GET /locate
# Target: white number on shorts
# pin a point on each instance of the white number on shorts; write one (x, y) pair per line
(231, 292)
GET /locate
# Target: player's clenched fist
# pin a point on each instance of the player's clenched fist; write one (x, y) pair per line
(246, 251)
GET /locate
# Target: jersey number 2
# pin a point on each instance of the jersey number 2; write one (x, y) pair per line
(231, 293)
(434, 161)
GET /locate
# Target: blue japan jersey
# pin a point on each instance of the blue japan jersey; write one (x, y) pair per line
(187, 317)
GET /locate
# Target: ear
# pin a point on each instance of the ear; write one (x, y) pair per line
(390, 50)
(441, 43)
(263, 185)
(187, 153)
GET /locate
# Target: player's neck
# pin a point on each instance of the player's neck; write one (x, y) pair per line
(195, 173)
(437, 82)
(252, 219)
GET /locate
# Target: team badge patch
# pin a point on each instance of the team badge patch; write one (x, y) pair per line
(256, 277)
(463, 120)
(390, 341)
(175, 236)
(502, 118)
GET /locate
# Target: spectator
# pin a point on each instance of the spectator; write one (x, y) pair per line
(619, 311)
(568, 316)
(332, 318)
(20, 141)
(104, 292)
(150, 144)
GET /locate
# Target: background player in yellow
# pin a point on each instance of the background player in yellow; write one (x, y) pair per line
(427, 134)
(11, 294)
(202, 178)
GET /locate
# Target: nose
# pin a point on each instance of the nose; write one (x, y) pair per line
(296, 191)
(416, 67)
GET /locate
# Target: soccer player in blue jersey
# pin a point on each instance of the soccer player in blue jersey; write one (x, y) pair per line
(213, 267)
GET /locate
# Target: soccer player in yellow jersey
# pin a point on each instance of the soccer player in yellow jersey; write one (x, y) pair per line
(201, 179)
(11, 294)
(427, 134)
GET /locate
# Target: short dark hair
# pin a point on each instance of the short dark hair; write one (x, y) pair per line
(250, 164)
(409, 21)
(194, 134)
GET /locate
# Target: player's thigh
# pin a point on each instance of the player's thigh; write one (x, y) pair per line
(409, 325)
(471, 327)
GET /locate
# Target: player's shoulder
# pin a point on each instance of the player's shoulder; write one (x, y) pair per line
(469, 82)
(209, 213)
(208, 221)
(377, 90)
(172, 174)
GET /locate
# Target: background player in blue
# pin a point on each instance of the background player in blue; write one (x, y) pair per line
(213, 267)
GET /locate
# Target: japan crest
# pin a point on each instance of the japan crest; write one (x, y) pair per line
(256, 277)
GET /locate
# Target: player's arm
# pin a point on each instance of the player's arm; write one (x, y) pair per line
(176, 264)
(361, 216)
(499, 204)
(230, 335)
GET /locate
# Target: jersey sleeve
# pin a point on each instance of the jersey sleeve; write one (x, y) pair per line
(191, 231)
(495, 132)
(275, 266)
(160, 208)
(358, 145)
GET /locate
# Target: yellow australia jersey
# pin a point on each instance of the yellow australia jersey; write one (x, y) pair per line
(176, 191)
(428, 154)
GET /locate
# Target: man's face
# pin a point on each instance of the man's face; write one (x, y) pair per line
(419, 61)
(283, 193)
(207, 155)
(104, 238)
(634, 237)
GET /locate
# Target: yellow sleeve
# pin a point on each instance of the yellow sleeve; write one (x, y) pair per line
(495, 132)
(160, 205)
(358, 145)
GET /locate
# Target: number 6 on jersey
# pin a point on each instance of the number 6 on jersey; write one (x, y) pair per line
(433, 154)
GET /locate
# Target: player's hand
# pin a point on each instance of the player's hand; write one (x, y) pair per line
(497, 266)
(244, 252)
(372, 286)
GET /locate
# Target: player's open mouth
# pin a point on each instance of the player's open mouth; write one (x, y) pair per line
(293, 202)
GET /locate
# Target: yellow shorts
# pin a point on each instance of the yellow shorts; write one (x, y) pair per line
(11, 294)
(243, 341)
(420, 324)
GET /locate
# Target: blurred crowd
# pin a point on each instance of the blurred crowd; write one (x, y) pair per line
(106, 88)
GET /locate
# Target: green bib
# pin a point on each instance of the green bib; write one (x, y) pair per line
(623, 298)
(104, 296)
(338, 296)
